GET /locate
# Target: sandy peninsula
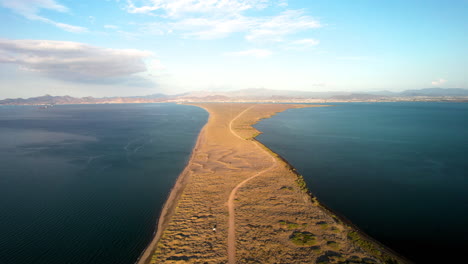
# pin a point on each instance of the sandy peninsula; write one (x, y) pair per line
(238, 202)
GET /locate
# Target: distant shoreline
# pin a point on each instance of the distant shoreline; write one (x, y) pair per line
(258, 96)
(306, 101)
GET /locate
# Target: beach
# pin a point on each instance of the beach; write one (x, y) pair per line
(238, 202)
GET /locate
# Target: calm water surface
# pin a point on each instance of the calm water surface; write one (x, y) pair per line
(399, 171)
(85, 183)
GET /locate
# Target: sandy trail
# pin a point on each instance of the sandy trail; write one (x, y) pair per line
(232, 195)
(234, 119)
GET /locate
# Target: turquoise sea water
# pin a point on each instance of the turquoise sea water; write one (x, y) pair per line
(85, 183)
(399, 171)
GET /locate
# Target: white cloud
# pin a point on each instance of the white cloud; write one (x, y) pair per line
(67, 27)
(205, 28)
(277, 27)
(211, 19)
(178, 8)
(283, 3)
(255, 29)
(72, 61)
(438, 82)
(111, 26)
(30, 9)
(302, 44)
(257, 53)
(306, 42)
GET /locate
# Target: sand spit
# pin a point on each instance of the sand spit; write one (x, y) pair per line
(238, 202)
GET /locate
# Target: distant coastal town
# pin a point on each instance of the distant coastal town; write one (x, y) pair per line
(260, 96)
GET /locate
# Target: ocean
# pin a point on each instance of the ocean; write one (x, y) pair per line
(85, 183)
(399, 171)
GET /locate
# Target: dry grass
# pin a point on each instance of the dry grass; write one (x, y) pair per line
(273, 212)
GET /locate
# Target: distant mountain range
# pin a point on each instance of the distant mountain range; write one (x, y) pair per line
(428, 92)
(266, 93)
(52, 100)
(258, 95)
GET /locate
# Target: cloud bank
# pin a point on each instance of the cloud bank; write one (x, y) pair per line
(73, 61)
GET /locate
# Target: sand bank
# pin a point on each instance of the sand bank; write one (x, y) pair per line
(238, 202)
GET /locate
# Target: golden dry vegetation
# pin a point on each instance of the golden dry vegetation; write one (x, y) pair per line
(275, 219)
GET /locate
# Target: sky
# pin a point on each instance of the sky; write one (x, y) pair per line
(141, 47)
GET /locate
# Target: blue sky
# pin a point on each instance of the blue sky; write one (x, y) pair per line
(139, 47)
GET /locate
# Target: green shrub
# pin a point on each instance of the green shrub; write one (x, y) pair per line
(333, 244)
(323, 224)
(371, 248)
(303, 238)
(301, 183)
(290, 225)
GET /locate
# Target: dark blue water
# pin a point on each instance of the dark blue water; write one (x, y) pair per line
(85, 183)
(399, 171)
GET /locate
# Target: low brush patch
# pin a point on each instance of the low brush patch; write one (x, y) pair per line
(303, 238)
